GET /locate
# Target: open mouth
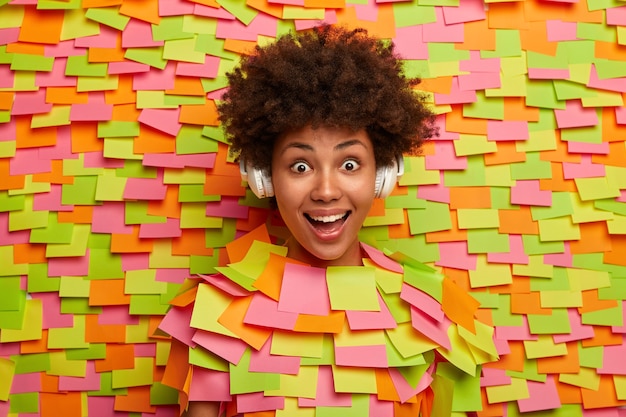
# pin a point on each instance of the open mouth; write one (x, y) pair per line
(327, 224)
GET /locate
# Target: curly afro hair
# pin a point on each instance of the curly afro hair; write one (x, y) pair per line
(331, 77)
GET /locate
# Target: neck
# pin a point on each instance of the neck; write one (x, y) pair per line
(352, 257)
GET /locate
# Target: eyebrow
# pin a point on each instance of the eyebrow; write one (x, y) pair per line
(343, 145)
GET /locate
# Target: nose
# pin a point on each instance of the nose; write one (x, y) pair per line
(327, 186)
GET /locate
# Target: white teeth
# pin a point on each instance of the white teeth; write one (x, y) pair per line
(328, 219)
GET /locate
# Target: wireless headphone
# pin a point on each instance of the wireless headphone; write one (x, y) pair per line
(261, 183)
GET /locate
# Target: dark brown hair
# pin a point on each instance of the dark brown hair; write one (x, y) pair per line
(329, 77)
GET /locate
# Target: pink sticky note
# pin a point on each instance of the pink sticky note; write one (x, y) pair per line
(52, 317)
(436, 192)
(62, 149)
(135, 261)
(156, 79)
(492, 377)
(445, 158)
(437, 331)
(455, 255)
(548, 74)
(528, 192)
(6, 76)
(225, 284)
(9, 35)
(362, 320)
(585, 169)
(91, 381)
(262, 24)
(56, 77)
(622, 197)
(591, 148)
(73, 266)
(96, 110)
(171, 228)
(116, 314)
(507, 130)
(558, 30)
(404, 389)
(23, 383)
(13, 238)
(616, 16)
(379, 408)
(516, 254)
(263, 361)
(440, 31)
(138, 34)
(98, 160)
(579, 331)
(100, 406)
(175, 275)
(304, 291)
(465, 11)
(228, 348)
(367, 11)
(176, 324)
(209, 69)
(227, 207)
(326, 395)
(515, 332)
(145, 188)
(63, 49)
(172, 160)
(564, 259)
(543, 396)
(256, 402)
(110, 218)
(8, 131)
(409, 42)
(610, 84)
(362, 356)
(30, 102)
(202, 378)
(127, 67)
(575, 115)
(106, 38)
(263, 311)
(175, 8)
(422, 301)
(165, 120)
(381, 260)
(218, 13)
(26, 161)
(456, 95)
(479, 81)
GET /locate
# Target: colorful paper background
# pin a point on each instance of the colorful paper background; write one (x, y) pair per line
(115, 186)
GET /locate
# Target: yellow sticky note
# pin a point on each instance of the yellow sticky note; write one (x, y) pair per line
(307, 345)
(558, 229)
(110, 187)
(544, 347)
(585, 378)
(7, 371)
(617, 226)
(586, 212)
(460, 355)
(587, 279)
(161, 256)
(620, 386)
(141, 374)
(61, 366)
(32, 324)
(561, 299)
(415, 172)
(478, 218)
(517, 390)
(352, 288)
(302, 385)
(474, 145)
(536, 267)
(488, 274)
(390, 282)
(77, 247)
(596, 188)
(68, 337)
(210, 304)
(408, 342)
(354, 380)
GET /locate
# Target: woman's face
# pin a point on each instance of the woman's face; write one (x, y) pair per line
(324, 186)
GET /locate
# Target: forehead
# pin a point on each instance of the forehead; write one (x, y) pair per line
(308, 138)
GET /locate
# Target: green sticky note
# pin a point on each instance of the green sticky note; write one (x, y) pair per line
(203, 264)
(607, 317)
(24, 403)
(110, 187)
(77, 247)
(32, 324)
(466, 388)
(202, 357)
(391, 216)
(243, 381)
(585, 211)
(487, 241)
(199, 24)
(410, 13)
(352, 288)
(106, 388)
(502, 315)
(558, 282)
(484, 108)
(79, 65)
(14, 319)
(588, 134)
(241, 11)
(34, 362)
(161, 256)
(61, 366)
(438, 215)
(359, 406)
(592, 356)
(541, 93)
(190, 140)
(7, 148)
(214, 84)
(508, 44)
(531, 169)
(162, 394)
(104, 265)
(135, 169)
(10, 294)
(136, 212)
(557, 322)
(534, 246)
(147, 304)
(54, 232)
(426, 279)
(117, 129)
(446, 52)
(561, 206)
(354, 379)
(535, 267)
(415, 247)
(27, 218)
(81, 192)
(215, 133)
(28, 62)
(538, 140)
(561, 299)
(616, 290)
(209, 44)
(152, 56)
(143, 281)
(539, 60)
(306, 345)
(9, 268)
(141, 374)
(473, 175)
(567, 90)
(38, 280)
(478, 218)
(415, 173)
(529, 373)
(109, 16)
(93, 351)
(109, 82)
(180, 100)
(152, 99)
(406, 201)
(10, 202)
(59, 115)
(170, 28)
(194, 193)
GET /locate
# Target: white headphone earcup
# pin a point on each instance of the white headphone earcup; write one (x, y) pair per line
(259, 182)
(386, 178)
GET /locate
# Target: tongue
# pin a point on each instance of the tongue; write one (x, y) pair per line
(328, 227)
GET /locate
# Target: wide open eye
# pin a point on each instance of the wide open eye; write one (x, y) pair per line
(350, 165)
(300, 167)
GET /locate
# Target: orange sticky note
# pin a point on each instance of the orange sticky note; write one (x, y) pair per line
(70, 402)
(232, 319)
(470, 197)
(29, 253)
(108, 292)
(79, 215)
(238, 248)
(97, 333)
(41, 26)
(26, 137)
(506, 154)
(137, 400)
(477, 36)
(187, 86)
(118, 356)
(146, 10)
(518, 221)
(130, 243)
(458, 305)
(153, 141)
(199, 115)
(333, 323)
